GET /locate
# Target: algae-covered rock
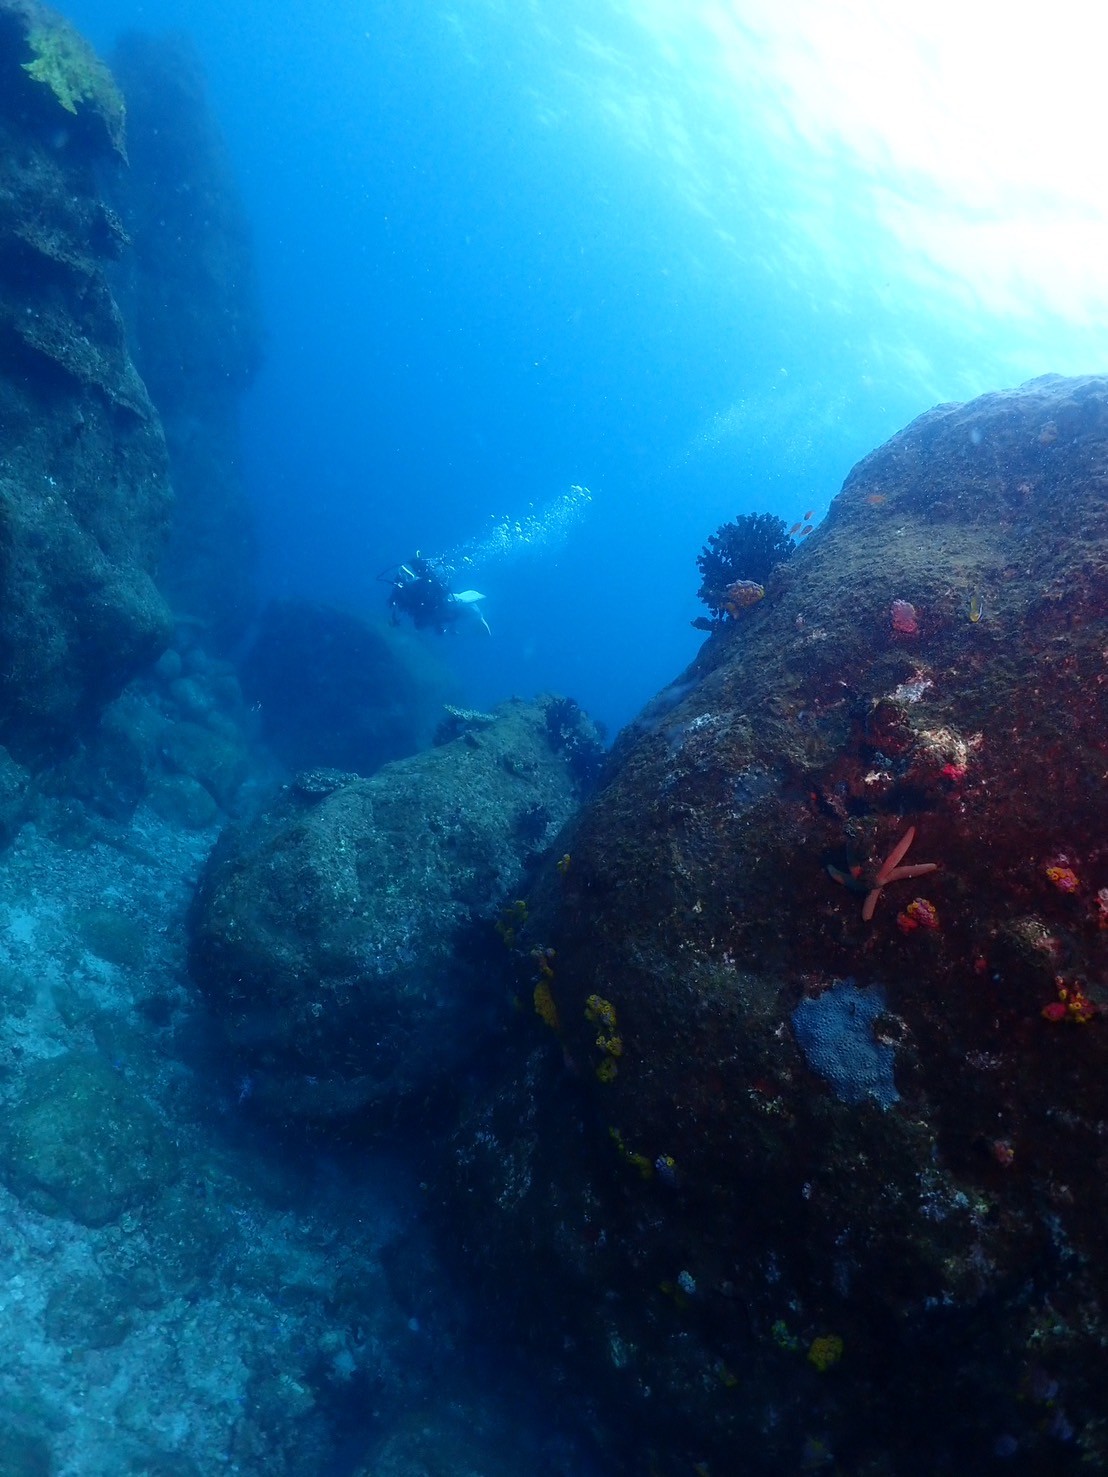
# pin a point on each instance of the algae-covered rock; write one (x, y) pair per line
(78, 1141)
(216, 758)
(65, 63)
(346, 939)
(112, 935)
(184, 803)
(825, 1174)
(84, 495)
(90, 1312)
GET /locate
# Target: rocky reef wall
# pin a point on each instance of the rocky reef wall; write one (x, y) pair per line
(189, 296)
(812, 1159)
(84, 492)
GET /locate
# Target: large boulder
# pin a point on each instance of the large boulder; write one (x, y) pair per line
(813, 1163)
(346, 938)
(84, 493)
(333, 690)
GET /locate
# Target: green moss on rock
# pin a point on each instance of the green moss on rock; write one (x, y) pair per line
(66, 64)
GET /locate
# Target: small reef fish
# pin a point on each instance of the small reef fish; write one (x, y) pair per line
(976, 610)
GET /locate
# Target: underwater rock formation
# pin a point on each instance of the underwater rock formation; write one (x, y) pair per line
(84, 494)
(823, 1179)
(335, 691)
(346, 938)
(79, 1142)
(187, 291)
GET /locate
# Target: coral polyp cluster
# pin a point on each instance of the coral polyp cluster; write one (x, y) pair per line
(1072, 1004)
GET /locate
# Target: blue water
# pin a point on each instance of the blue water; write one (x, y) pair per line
(695, 256)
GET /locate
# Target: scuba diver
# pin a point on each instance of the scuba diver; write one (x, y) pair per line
(421, 590)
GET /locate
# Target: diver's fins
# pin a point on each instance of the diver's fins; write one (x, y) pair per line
(471, 600)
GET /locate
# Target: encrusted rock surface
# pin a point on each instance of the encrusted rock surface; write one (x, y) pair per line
(84, 494)
(749, 1230)
(346, 937)
(80, 1142)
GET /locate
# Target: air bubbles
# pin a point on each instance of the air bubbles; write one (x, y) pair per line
(542, 526)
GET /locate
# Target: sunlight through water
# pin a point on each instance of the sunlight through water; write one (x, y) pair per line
(944, 159)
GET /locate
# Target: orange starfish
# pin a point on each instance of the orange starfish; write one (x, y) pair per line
(891, 871)
(861, 879)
